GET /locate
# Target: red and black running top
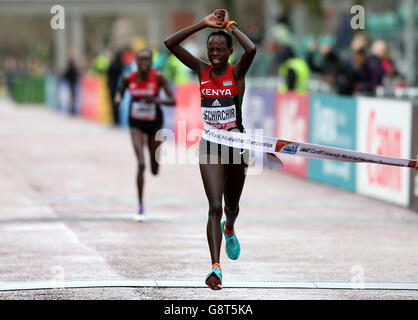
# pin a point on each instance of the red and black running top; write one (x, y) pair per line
(140, 109)
(140, 88)
(221, 100)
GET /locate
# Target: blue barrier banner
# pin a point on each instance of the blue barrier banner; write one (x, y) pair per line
(124, 109)
(258, 109)
(51, 96)
(65, 100)
(333, 124)
(64, 96)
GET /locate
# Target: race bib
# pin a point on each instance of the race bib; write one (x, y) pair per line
(220, 117)
(144, 111)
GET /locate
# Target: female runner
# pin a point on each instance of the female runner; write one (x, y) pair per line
(222, 87)
(145, 114)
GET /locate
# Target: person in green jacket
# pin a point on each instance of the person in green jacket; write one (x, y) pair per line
(175, 71)
(295, 72)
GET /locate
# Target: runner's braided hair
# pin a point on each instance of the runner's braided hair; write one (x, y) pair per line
(222, 33)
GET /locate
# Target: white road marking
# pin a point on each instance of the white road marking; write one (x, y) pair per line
(42, 285)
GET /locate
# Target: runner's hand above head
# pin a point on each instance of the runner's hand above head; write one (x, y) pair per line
(214, 21)
(222, 15)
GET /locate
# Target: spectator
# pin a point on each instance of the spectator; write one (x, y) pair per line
(377, 73)
(392, 79)
(293, 70)
(10, 69)
(113, 75)
(362, 73)
(72, 75)
(359, 70)
(266, 62)
(361, 40)
(331, 69)
(368, 72)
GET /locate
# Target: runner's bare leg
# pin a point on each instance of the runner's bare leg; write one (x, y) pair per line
(138, 143)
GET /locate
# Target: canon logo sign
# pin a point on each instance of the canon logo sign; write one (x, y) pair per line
(384, 140)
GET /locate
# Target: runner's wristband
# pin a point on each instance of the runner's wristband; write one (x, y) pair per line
(231, 26)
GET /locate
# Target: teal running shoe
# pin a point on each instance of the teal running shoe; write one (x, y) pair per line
(214, 278)
(233, 249)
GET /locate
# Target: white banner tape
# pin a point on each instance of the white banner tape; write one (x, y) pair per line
(302, 149)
